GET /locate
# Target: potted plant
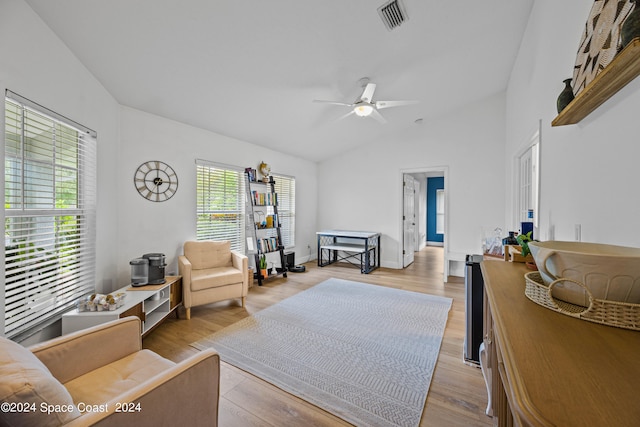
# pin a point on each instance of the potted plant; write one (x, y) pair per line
(523, 241)
(263, 265)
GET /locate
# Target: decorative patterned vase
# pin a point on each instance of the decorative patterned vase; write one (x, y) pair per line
(631, 26)
(566, 96)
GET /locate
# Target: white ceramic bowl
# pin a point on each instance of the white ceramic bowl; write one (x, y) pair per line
(609, 272)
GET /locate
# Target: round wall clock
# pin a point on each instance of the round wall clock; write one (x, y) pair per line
(600, 40)
(156, 181)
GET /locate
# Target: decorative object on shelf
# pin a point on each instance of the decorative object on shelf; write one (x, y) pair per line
(263, 265)
(523, 241)
(492, 242)
(100, 302)
(251, 174)
(631, 26)
(261, 222)
(156, 181)
(265, 171)
(624, 68)
(600, 40)
(602, 65)
(566, 96)
(510, 239)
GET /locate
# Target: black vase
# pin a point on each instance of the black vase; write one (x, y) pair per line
(566, 96)
(510, 240)
(631, 26)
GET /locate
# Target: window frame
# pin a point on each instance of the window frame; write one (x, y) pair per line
(50, 219)
(285, 187)
(206, 230)
(527, 178)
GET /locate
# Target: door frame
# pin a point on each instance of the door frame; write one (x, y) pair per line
(443, 170)
(534, 140)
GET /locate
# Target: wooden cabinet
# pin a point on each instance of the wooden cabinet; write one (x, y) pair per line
(175, 296)
(136, 310)
(151, 303)
(549, 369)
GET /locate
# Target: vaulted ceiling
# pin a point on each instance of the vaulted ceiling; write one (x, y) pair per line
(250, 69)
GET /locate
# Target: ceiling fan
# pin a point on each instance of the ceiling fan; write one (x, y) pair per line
(364, 106)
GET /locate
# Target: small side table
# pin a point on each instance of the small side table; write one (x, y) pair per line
(151, 303)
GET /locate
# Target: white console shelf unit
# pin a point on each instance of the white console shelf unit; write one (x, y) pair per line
(151, 303)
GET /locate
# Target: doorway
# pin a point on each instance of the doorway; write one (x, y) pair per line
(414, 226)
(435, 211)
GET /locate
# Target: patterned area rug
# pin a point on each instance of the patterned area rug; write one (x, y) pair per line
(365, 353)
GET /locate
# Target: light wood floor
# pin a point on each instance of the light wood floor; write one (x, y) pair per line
(457, 396)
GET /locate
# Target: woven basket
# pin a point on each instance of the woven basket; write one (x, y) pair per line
(611, 313)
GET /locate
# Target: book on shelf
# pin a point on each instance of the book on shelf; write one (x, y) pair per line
(269, 244)
(264, 199)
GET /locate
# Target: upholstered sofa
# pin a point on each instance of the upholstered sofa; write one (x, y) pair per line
(102, 376)
(212, 272)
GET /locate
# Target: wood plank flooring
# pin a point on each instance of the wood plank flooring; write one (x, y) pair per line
(457, 396)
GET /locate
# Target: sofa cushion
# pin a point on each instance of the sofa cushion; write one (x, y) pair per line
(107, 382)
(215, 277)
(208, 254)
(25, 380)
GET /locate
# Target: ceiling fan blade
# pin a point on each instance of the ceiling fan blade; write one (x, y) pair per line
(345, 116)
(377, 116)
(332, 102)
(387, 104)
(367, 94)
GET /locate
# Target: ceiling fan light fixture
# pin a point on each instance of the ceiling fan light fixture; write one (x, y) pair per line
(363, 110)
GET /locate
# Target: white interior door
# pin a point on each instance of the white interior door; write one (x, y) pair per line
(409, 219)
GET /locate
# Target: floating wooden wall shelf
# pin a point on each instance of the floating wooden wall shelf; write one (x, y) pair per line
(624, 68)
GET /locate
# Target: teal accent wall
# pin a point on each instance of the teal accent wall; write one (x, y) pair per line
(433, 184)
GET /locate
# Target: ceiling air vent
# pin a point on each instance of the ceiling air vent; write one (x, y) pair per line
(393, 14)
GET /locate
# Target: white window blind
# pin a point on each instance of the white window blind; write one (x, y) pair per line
(285, 187)
(220, 197)
(50, 215)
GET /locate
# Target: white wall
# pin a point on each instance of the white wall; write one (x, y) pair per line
(362, 189)
(163, 227)
(36, 65)
(588, 170)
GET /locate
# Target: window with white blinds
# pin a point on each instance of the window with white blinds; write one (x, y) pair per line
(285, 187)
(220, 197)
(50, 215)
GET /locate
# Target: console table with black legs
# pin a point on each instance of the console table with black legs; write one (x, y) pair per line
(349, 246)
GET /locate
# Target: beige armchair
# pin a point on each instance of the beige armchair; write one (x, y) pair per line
(102, 376)
(212, 272)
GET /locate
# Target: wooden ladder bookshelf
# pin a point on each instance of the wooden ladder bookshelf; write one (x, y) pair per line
(263, 233)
